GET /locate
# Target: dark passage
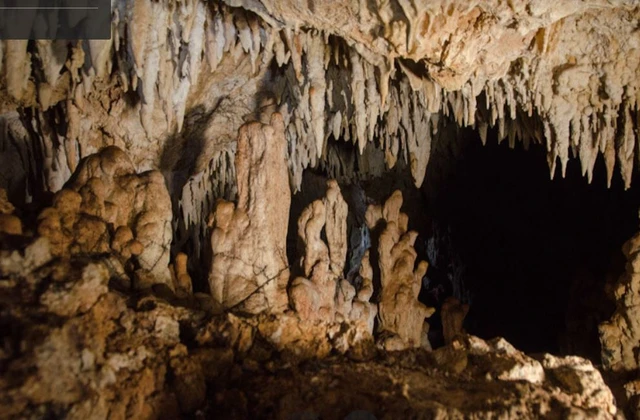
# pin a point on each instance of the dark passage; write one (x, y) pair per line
(532, 256)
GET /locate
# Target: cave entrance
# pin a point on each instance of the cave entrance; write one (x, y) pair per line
(531, 255)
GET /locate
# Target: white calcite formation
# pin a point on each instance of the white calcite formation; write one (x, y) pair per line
(249, 269)
(108, 207)
(323, 294)
(177, 80)
(400, 313)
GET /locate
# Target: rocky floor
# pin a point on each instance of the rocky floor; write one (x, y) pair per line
(403, 385)
(73, 346)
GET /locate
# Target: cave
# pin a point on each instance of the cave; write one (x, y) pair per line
(283, 209)
(533, 256)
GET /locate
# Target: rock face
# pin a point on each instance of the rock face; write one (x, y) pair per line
(249, 269)
(106, 207)
(94, 356)
(399, 311)
(75, 348)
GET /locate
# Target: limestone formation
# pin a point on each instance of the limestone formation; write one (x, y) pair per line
(363, 311)
(391, 71)
(101, 354)
(185, 134)
(620, 336)
(98, 357)
(181, 277)
(453, 313)
(107, 207)
(323, 294)
(313, 297)
(249, 269)
(399, 310)
(9, 223)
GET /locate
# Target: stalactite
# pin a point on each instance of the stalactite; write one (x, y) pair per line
(330, 84)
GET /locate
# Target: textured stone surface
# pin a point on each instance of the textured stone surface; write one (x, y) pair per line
(171, 89)
(399, 311)
(174, 85)
(9, 223)
(249, 270)
(323, 295)
(415, 384)
(452, 313)
(109, 356)
(75, 348)
(620, 336)
(314, 296)
(108, 206)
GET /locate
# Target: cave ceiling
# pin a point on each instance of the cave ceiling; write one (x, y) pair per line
(177, 80)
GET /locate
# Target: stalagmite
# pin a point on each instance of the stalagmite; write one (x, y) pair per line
(399, 312)
(106, 194)
(453, 314)
(249, 269)
(323, 296)
(9, 223)
(313, 297)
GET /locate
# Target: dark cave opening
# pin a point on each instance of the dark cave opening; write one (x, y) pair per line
(532, 256)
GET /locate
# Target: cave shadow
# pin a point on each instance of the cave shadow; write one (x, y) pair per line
(178, 160)
(537, 253)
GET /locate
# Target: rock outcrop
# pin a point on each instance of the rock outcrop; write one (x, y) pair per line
(74, 347)
(249, 270)
(399, 311)
(108, 207)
